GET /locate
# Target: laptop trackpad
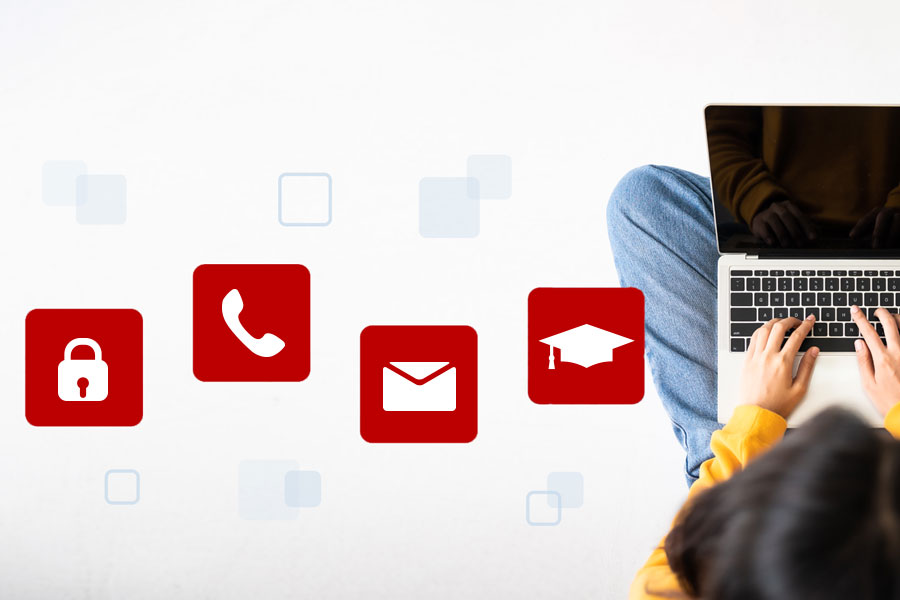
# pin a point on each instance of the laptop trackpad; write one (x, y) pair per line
(835, 382)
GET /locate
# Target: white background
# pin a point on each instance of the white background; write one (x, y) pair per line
(201, 105)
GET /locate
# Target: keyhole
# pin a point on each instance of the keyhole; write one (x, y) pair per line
(82, 384)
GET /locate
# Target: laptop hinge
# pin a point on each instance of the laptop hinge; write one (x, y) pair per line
(824, 254)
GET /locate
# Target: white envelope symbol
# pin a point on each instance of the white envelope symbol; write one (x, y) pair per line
(419, 386)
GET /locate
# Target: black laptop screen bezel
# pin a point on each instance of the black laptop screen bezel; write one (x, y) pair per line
(773, 252)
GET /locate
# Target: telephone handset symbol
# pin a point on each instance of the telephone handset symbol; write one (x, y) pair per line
(266, 346)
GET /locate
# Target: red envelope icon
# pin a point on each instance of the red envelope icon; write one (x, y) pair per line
(418, 384)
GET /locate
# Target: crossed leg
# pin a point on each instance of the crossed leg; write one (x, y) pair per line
(662, 232)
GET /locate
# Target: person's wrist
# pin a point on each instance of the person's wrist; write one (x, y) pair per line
(765, 424)
(769, 405)
(782, 411)
(884, 406)
(893, 414)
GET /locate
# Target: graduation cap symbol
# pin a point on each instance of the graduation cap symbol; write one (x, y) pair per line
(584, 345)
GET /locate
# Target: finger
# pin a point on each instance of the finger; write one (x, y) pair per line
(779, 329)
(864, 360)
(790, 223)
(761, 230)
(781, 232)
(761, 335)
(882, 227)
(891, 334)
(751, 345)
(792, 346)
(805, 370)
(804, 221)
(768, 232)
(864, 224)
(876, 348)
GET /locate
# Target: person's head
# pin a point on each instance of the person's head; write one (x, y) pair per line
(818, 516)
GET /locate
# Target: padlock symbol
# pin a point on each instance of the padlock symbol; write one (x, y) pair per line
(83, 380)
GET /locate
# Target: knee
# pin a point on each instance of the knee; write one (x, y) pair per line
(632, 196)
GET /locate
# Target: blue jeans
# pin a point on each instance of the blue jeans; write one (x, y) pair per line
(662, 233)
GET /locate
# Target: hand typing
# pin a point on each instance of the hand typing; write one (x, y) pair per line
(879, 364)
(767, 379)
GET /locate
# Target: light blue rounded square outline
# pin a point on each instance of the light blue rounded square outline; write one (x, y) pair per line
(543, 493)
(137, 487)
(280, 211)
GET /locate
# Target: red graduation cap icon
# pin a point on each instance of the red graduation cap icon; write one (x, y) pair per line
(596, 345)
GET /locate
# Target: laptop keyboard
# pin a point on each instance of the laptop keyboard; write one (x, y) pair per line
(759, 295)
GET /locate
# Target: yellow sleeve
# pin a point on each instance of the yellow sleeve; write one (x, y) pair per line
(893, 199)
(750, 431)
(892, 421)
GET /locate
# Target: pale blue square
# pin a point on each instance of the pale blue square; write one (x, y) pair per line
(58, 181)
(569, 486)
(303, 206)
(494, 175)
(303, 489)
(449, 207)
(261, 490)
(534, 521)
(101, 200)
(123, 478)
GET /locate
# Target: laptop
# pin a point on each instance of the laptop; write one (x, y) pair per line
(807, 213)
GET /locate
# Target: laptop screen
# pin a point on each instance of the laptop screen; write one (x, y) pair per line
(806, 180)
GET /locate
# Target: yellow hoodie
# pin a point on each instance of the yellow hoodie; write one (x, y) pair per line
(751, 431)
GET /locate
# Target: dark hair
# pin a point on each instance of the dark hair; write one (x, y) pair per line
(817, 516)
